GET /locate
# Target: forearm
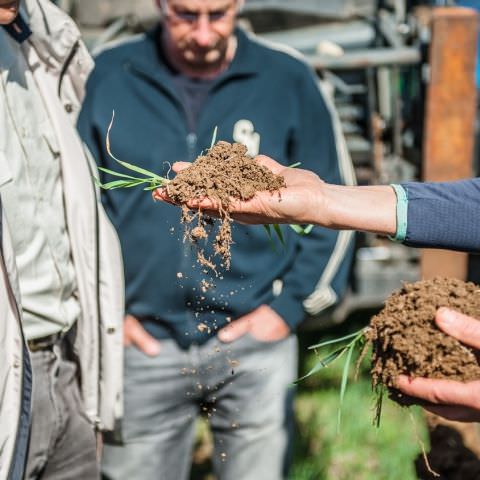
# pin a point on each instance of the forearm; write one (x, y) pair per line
(369, 209)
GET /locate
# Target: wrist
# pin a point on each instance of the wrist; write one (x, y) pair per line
(369, 209)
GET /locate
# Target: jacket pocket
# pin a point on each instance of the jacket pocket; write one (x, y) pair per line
(5, 173)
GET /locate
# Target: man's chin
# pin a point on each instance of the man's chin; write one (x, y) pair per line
(203, 64)
(8, 12)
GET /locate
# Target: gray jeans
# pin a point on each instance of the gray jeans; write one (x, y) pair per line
(244, 388)
(62, 440)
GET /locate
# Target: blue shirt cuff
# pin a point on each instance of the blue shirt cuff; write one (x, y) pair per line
(402, 213)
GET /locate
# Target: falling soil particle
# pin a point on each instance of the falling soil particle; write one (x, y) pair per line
(201, 327)
(233, 363)
(226, 172)
(206, 285)
(406, 339)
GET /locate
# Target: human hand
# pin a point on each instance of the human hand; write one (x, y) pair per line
(300, 202)
(263, 323)
(134, 334)
(452, 400)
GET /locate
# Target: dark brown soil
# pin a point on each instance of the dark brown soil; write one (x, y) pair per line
(449, 457)
(407, 341)
(225, 172)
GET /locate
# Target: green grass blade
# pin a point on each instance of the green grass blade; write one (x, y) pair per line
(295, 165)
(214, 137)
(121, 184)
(268, 229)
(137, 169)
(343, 387)
(299, 230)
(117, 174)
(153, 186)
(127, 165)
(378, 406)
(336, 340)
(324, 362)
(279, 233)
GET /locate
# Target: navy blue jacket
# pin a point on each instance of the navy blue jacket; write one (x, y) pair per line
(444, 215)
(264, 91)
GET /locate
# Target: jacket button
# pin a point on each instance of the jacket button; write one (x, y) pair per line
(111, 330)
(69, 107)
(16, 364)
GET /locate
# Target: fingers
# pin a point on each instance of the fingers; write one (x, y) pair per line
(135, 334)
(235, 330)
(443, 392)
(454, 413)
(179, 166)
(271, 164)
(462, 327)
(161, 194)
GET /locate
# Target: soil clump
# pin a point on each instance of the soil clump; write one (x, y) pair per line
(224, 173)
(406, 339)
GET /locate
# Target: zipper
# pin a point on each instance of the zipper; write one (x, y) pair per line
(65, 66)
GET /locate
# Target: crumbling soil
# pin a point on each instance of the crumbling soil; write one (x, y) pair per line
(224, 173)
(407, 341)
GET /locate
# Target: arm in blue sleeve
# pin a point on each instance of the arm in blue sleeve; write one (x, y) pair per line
(319, 274)
(444, 215)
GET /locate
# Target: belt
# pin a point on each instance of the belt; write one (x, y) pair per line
(44, 343)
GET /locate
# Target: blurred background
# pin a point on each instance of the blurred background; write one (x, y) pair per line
(379, 58)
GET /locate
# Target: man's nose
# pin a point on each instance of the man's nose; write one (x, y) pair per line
(203, 31)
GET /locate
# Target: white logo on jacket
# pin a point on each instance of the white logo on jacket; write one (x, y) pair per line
(244, 132)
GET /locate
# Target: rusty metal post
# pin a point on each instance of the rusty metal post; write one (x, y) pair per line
(450, 116)
(448, 149)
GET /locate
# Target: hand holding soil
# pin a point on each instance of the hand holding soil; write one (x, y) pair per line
(407, 342)
(225, 175)
(450, 399)
(299, 202)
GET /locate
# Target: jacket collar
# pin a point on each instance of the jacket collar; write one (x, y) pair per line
(152, 64)
(54, 33)
(18, 29)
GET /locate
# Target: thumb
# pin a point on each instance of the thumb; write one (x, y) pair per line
(462, 327)
(270, 163)
(135, 334)
(179, 166)
(235, 330)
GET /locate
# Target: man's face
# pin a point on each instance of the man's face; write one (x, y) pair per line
(199, 30)
(8, 11)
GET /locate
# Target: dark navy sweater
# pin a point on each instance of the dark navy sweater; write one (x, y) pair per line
(266, 96)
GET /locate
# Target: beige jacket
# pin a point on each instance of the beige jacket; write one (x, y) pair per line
(95, 247)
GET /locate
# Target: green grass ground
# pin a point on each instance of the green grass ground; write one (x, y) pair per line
(358, 450)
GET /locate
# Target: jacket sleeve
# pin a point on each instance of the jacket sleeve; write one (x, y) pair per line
(444, 215)
(319, 274)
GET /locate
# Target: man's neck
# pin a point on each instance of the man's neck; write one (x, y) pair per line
(207, 73)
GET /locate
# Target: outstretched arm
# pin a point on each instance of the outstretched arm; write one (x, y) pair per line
(438, 215)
